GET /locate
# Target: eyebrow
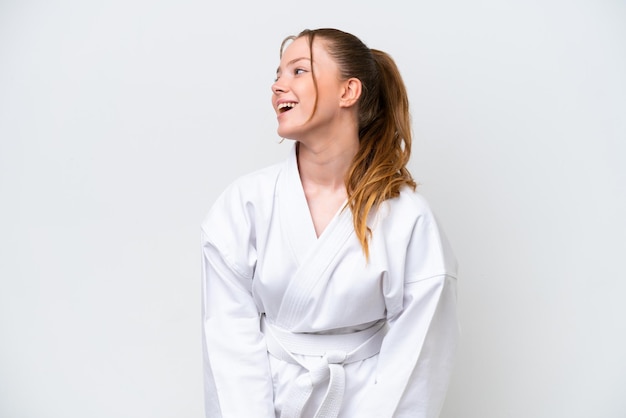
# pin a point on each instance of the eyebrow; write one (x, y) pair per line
(293, 61)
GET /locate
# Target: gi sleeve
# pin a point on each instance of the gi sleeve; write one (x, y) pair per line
(416, 358)
(236, 367)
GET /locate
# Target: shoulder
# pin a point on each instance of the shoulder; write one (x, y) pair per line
(408, 221)
(409, 207)
(414, 200)
(253, 186)
(402, 217)
(230, 227)
(257, 181)
(245, 196)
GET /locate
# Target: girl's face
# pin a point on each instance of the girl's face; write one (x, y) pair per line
(293, 92)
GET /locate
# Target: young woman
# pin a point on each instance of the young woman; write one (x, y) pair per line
(329, 289)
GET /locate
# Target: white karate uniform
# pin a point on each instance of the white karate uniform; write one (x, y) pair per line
(389, 324)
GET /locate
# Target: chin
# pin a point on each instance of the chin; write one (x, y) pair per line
(287, 134)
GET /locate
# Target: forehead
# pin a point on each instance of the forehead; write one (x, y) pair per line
(299, 48)
(295, 49)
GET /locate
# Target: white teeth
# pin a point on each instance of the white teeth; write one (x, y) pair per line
(284, 105)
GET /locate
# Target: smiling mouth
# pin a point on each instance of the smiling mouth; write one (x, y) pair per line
(284, 107)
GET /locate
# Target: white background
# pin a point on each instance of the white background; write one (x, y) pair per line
(120, 122)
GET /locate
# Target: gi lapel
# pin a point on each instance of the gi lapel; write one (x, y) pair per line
(313, 270)
(314, 255)
(294, 214)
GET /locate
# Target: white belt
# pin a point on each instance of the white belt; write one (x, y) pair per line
(335, 350)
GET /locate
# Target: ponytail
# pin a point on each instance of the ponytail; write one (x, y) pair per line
(378, 170)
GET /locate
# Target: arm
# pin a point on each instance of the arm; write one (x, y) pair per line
(415, 360)
(236, 368)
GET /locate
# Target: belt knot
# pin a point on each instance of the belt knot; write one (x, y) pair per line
(335, 356)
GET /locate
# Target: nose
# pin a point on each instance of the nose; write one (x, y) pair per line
(278, 87)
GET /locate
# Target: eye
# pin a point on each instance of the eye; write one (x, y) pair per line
(299, 71)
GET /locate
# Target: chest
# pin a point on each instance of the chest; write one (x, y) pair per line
(334, 285)
(323, 205)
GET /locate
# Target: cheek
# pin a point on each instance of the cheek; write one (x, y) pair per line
(329, 92)
(327, 103)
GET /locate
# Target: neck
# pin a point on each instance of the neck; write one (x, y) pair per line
(325, 163)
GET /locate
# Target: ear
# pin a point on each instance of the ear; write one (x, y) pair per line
(350, 93)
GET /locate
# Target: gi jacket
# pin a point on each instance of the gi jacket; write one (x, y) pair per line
(264, 266)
